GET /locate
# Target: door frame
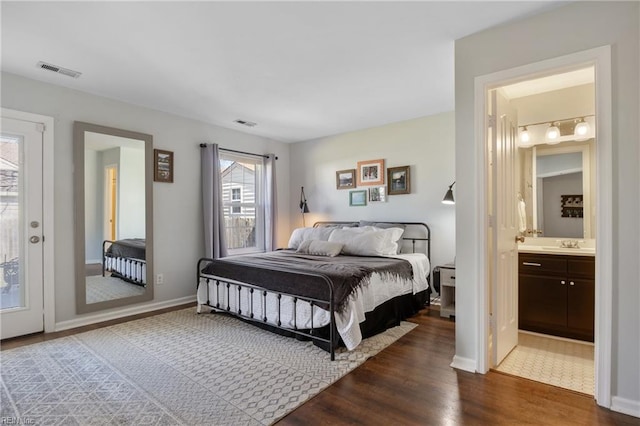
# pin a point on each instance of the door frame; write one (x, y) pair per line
(600, 58)
(48, 261)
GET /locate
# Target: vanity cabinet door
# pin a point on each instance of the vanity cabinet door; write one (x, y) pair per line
(580, 306)
(542, 302)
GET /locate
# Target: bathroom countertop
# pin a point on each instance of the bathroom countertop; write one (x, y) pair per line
(538, 249)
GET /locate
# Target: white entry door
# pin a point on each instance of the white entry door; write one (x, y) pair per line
(21, 249)
(504, 131)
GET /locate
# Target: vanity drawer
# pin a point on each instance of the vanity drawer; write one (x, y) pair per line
(582, 267)
(541, 265)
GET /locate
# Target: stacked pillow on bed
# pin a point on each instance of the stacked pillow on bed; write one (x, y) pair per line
(364, 240)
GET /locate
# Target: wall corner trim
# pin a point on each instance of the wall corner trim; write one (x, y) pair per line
(625, 406)
(465, 364)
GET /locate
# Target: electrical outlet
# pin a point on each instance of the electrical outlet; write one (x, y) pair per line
(159, 279)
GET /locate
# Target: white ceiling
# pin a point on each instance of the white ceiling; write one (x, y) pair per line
(301, 70)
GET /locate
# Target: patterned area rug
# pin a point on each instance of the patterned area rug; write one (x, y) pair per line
(178, 368)
(101, 288)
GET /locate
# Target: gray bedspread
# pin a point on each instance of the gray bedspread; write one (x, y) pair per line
(346, 273)
(131, 247)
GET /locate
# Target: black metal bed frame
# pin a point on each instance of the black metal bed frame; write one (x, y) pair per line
(313, 302)
(134, 265)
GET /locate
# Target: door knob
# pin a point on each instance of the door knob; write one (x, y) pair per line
(35, 239)
(519, 239)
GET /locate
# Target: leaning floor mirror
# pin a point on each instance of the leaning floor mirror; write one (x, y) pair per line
(113, 190)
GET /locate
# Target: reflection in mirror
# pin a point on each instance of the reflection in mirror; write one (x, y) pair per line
(113, 237)
(559, 189)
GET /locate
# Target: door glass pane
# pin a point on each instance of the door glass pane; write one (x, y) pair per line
(12, 293)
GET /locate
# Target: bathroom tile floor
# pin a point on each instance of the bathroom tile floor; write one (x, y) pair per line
(564, 363)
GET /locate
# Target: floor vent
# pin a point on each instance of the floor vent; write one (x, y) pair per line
(59, 70)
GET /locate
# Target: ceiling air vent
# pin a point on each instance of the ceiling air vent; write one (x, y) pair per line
(246, 123)
(59, 70)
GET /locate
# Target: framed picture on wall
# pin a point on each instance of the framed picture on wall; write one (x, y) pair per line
(377, 194)
(371, 172)
(346, 179)
(162, 166)
(399, 180)
(358, 198)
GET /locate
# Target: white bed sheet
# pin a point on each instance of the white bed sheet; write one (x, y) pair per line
(133, 270)
(365, 299)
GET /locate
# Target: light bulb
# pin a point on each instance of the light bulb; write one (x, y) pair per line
(552, 134)
(525, 138)
(581, 131)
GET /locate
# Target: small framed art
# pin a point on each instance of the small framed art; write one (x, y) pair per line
(371, 172)
(162, 166)
(377, 194)
(358, 198)
(346, 179)
(399, 180)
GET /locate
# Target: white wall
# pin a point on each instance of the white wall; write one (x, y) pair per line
(131, 190)
(93, 206)
(426, 144)
(573, 28)
(178, 241)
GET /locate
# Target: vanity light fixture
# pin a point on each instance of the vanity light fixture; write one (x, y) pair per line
(552, 134)
(448, 197)
(563, 130)
(582, 130)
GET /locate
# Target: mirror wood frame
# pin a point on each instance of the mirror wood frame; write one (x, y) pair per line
(79, 131)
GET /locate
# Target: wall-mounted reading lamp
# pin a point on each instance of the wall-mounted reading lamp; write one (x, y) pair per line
(303, 204)
(448, 197)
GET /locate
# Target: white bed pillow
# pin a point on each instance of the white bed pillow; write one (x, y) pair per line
(363, 243)
(300, 234)
(393, 237)
(320, 248)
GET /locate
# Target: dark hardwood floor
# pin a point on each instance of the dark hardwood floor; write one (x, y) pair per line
(411, 383)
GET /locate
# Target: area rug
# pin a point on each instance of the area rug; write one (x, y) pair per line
(178, 368)
(101, 288)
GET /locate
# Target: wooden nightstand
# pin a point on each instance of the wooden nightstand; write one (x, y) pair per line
(447, 290)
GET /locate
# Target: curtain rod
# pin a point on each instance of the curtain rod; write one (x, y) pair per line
(203, 145)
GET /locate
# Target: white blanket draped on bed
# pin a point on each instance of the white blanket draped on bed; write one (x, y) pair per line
(364, 299)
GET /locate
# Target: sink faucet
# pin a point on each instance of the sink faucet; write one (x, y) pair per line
(569, 244)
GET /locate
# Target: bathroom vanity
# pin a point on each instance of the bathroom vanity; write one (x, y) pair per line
(557, 291)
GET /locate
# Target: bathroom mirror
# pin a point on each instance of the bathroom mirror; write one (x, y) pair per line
(113, 190)
(559, 188)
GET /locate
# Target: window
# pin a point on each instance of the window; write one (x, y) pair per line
(236, 200)
(242, 194)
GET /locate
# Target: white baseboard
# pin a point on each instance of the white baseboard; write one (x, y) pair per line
(465, 364)
(625, 406)
(133, 310)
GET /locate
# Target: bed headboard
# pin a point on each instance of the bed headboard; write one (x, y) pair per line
(416, 237)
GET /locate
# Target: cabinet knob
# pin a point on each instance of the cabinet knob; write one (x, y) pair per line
(572, 283)
(563, 282)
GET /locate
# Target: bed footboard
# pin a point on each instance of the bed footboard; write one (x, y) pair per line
(129, 269)
(228, 297)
